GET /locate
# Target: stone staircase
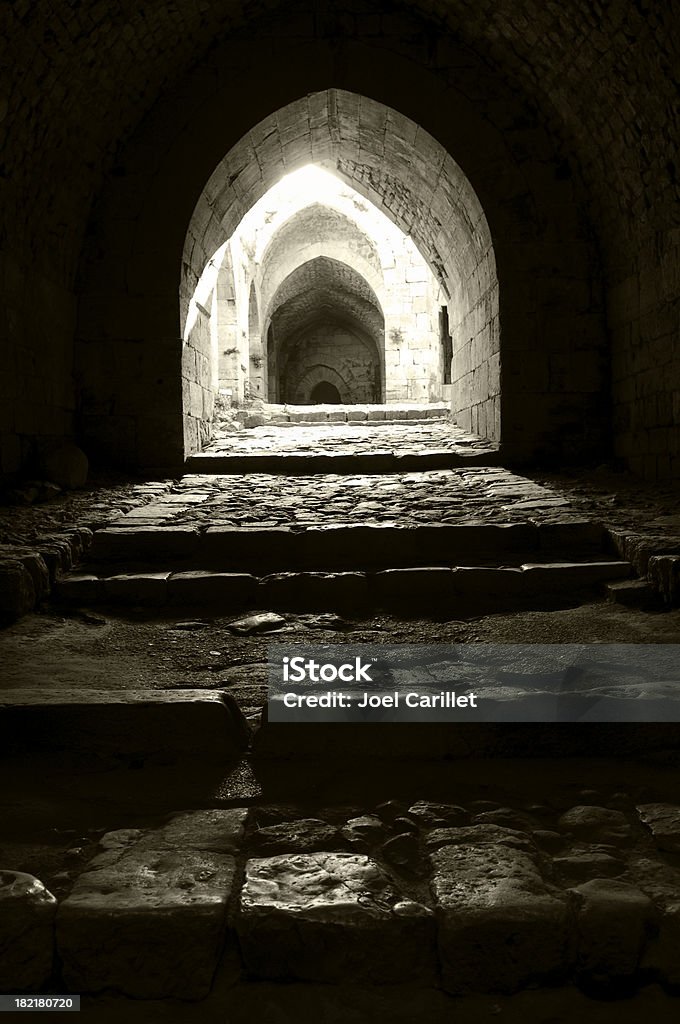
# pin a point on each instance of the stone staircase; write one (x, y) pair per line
(462, 541)
(459, 569)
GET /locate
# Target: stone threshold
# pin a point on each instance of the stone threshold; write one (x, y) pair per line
(282, 463)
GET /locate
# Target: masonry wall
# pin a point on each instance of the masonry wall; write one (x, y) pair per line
(414, 370)
(337, 354)
(198, 385)
(644, 317)
(37, 388)
(396, 274)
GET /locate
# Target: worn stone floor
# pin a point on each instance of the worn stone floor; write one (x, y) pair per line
(30, 511)
(353, 438)
(448, 496)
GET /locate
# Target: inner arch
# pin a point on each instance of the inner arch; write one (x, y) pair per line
(405, 173)
(325, 316)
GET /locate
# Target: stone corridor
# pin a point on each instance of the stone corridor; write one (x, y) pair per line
(455, 222)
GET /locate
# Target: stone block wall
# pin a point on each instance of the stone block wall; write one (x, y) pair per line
(37, 389)
(198, 381)
(644, 317)
(333, 353)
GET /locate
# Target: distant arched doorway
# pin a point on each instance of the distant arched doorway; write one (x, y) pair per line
(324, 393)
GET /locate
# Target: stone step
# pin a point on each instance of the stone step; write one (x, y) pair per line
(633, 594)
(342, 546)
(374, 414)
(461, 589)
(286, 464)
(119, 727)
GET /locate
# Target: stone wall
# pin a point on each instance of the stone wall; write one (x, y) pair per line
(333, 353)
(197, 393)
(37, 389)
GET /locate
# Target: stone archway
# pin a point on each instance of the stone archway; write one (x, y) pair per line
(326, 315)
(325, 393)
(425, 194)
(322, 380)
(497, 372)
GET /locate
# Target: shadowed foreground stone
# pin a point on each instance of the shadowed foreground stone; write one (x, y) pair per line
(596, 824)
(332, 917)
(662, 956)
(613, 917)
(17, 590)
(663, 821)
(27, 912)
(479, 835)
(303, 836)
(149, 917)
(116, 726)
(501, 927)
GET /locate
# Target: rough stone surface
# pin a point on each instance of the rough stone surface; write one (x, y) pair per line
(433, 815)
(305, 835)
(404, 851)
(596, 824)
(153, 726)
(329, 917)
(663, 820)
(149, 916)
(27, 913)
(661, 955)
(500, 926)
(613, 919)
(580, 867)
(264, 622)
(17, 591)
(363, 830)
(479, 835)
(423, 495)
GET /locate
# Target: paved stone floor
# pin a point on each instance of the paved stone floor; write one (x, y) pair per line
(407, 499)
(355, 438)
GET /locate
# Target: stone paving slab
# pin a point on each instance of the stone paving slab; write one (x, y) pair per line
(330, 917)
(27, 913)
(149, 916)
(323, 463)
(613, 920)
(501, 926)
(350, 547)
(283, 414)
(506, 888)
(462, 589)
